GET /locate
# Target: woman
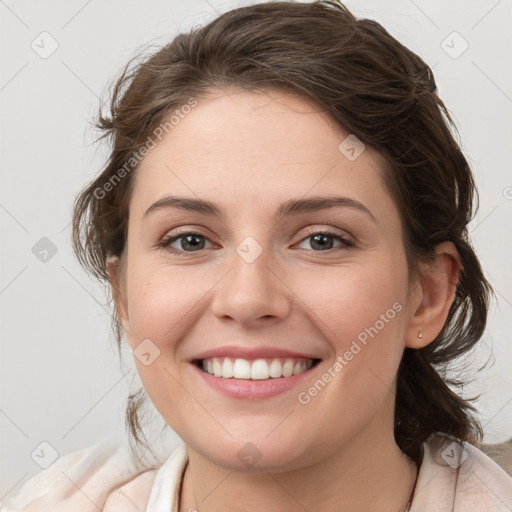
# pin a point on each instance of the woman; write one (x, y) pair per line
(283, 224)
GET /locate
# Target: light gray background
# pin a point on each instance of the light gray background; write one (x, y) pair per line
(60, 378)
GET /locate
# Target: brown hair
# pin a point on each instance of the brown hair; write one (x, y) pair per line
(372, 86)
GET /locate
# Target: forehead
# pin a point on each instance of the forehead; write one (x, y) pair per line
(245, 148)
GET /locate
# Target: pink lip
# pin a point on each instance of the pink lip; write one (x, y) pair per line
(248, 389)
(251, 353)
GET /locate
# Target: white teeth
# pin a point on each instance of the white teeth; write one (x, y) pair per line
(298, 368)
(241, 369)
(275, 369)
(259, 369)
(287, 368)
(217, 368)
(227, 368)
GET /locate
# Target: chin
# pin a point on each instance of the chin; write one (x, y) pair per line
(242, 454)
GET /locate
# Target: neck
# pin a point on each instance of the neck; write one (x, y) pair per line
(369, 472)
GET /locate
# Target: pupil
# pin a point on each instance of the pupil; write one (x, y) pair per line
(322, 241)
(317, 238)
(189, 239)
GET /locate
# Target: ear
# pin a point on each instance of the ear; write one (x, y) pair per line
(435, 292)
(118, 292)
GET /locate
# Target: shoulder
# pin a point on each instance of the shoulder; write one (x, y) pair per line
(501, 453)
(482, 482)
(456, 476)
(99, 477)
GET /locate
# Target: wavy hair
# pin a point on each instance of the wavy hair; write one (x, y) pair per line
(372, 86)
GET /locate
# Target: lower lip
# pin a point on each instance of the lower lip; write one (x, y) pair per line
(248, 389)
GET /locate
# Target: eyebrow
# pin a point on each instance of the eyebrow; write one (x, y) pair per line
(288, 208)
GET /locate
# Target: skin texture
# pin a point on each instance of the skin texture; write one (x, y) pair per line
(249, 152)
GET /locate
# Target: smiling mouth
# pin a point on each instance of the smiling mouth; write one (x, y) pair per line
(255, 369)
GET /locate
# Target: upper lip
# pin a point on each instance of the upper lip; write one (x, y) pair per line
(261, 352)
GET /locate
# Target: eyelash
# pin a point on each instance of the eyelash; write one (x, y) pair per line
(166, 242)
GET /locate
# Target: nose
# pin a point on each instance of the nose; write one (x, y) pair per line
(253, 293)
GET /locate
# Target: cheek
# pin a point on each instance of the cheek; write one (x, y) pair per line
(162, 306)
(165, 308)
(159, 301)
(354, 302)
(361, 312)
(361, 301)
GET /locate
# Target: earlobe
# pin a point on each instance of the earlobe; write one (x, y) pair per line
(114, 273)
(438, 286)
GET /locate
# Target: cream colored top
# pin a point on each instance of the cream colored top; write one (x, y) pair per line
(102, 477)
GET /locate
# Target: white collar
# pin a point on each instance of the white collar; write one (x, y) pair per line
(442, 485)
(166, 487)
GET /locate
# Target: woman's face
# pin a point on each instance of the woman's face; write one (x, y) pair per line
(257, 280)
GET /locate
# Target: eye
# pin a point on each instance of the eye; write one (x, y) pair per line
(189, 240)
(322, 241)
(193, 242)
